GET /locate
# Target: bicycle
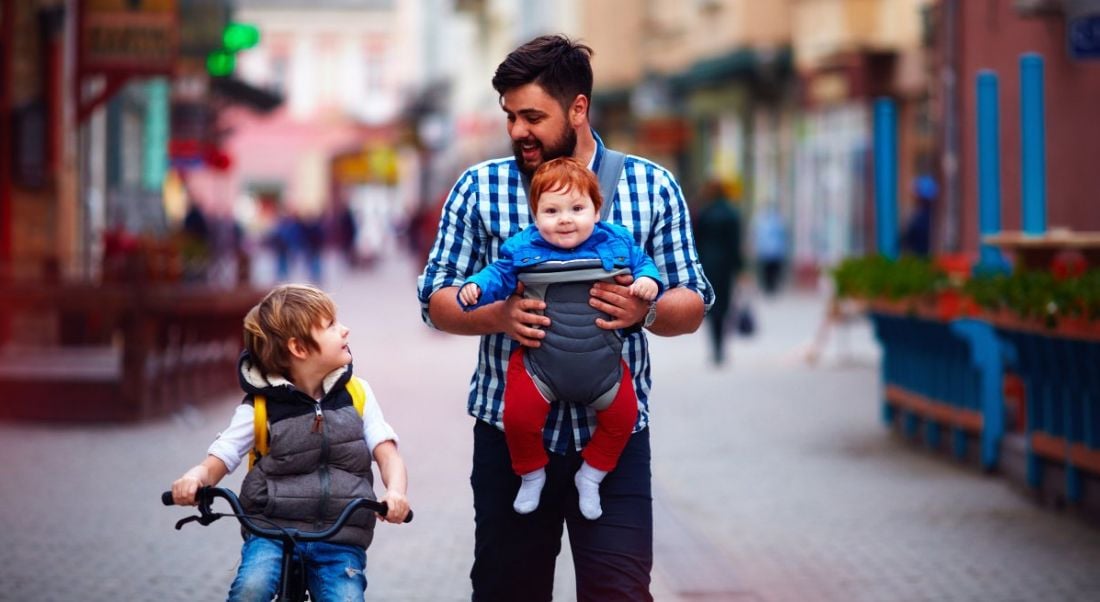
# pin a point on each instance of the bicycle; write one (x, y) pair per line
(292, 582)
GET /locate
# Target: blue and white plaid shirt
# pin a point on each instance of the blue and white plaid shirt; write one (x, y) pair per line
(488, 204)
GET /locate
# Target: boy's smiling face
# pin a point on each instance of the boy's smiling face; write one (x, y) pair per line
(332, 340)
(565, 218)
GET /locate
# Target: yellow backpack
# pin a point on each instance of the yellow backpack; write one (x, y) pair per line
(259, 421)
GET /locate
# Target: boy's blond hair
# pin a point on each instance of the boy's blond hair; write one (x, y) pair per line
(290, 311)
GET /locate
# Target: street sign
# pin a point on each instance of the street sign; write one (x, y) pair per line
(133, 37)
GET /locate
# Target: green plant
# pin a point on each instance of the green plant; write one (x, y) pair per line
(876, 277)
(1032, 295)
(1038, 295)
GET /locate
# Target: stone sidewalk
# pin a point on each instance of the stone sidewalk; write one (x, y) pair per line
(774, 481)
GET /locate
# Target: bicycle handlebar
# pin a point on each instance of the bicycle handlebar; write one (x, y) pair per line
(206, 496)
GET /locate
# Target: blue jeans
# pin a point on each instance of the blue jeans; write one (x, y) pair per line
(334, 572)
(514, 554)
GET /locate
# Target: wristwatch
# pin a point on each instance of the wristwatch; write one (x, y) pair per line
(650, 316)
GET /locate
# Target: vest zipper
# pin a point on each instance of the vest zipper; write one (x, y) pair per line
(323, 470)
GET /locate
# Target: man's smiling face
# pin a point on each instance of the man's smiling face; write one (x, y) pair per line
(537, 126)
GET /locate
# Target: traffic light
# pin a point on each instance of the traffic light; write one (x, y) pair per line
(220, 63)
(235, 38)
(240, 36)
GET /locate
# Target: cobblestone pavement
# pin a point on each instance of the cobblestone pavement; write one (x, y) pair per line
(774, 481)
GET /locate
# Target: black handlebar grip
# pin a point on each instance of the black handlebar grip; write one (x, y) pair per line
(166, 499)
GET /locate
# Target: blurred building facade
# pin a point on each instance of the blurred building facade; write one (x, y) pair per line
(773, 95)
(104, 103)
(345, 68)
(387, 100)
(107, 107)
(992, 36)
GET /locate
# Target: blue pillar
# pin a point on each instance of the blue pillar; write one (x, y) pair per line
(886, 177)
(989, 170)
(1032, 145)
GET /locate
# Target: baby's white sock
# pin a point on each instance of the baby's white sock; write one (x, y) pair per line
(530, 489)
(588, 480)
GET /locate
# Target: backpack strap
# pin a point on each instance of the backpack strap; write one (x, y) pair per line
(358, 394)
(259, 427)
(259, 418)
(608, 172)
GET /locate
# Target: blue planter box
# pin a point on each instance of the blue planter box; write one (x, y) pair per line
(946, 376)
(1061, 374)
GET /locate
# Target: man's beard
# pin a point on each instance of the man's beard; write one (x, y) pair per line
(562, 147)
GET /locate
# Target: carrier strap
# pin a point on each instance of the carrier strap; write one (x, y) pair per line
(611, 167)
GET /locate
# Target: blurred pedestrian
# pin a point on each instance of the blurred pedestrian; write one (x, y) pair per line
(195, 223)
(770, 246)
(422, 228)
(545, 88)
(313, 243)
(196, 243)
(718, 238)
(916, 239)
(287, 240)
(345, 232)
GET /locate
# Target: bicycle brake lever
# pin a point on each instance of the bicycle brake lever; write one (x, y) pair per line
(183, 521)
(202, 520)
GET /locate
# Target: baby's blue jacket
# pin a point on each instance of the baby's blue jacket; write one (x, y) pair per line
(612, 244)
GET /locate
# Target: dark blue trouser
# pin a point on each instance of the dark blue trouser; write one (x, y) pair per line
(514, 554)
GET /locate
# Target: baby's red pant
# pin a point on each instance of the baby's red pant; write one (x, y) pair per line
(525, 412)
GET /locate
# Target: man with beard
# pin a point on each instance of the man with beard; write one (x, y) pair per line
(545, 87)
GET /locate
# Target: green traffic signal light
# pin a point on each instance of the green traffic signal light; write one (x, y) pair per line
(220, 63)
(240, 36)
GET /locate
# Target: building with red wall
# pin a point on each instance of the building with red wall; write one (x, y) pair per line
(993, 35)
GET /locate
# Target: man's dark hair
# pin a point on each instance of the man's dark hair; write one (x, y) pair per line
(559, 65)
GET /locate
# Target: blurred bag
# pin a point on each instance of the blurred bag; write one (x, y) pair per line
(745, 321)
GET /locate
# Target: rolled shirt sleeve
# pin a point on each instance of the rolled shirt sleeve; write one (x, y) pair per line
(375, 428)
(234, 443)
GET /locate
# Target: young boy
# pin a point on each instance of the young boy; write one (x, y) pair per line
(578, 362)
(296, 356)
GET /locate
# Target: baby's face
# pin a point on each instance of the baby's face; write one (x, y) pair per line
(565, 218)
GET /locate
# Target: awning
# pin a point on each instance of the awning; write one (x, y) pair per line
(743, 62)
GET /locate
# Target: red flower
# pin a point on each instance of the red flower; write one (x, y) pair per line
(1068, 264)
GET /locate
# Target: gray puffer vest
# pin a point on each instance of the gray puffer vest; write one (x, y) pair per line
(317, 462)
(577, 362)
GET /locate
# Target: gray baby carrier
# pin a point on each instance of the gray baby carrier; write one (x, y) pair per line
(577, 362)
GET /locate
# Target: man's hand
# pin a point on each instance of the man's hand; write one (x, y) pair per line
(516, 317)
(521, 319)
(616, 300)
